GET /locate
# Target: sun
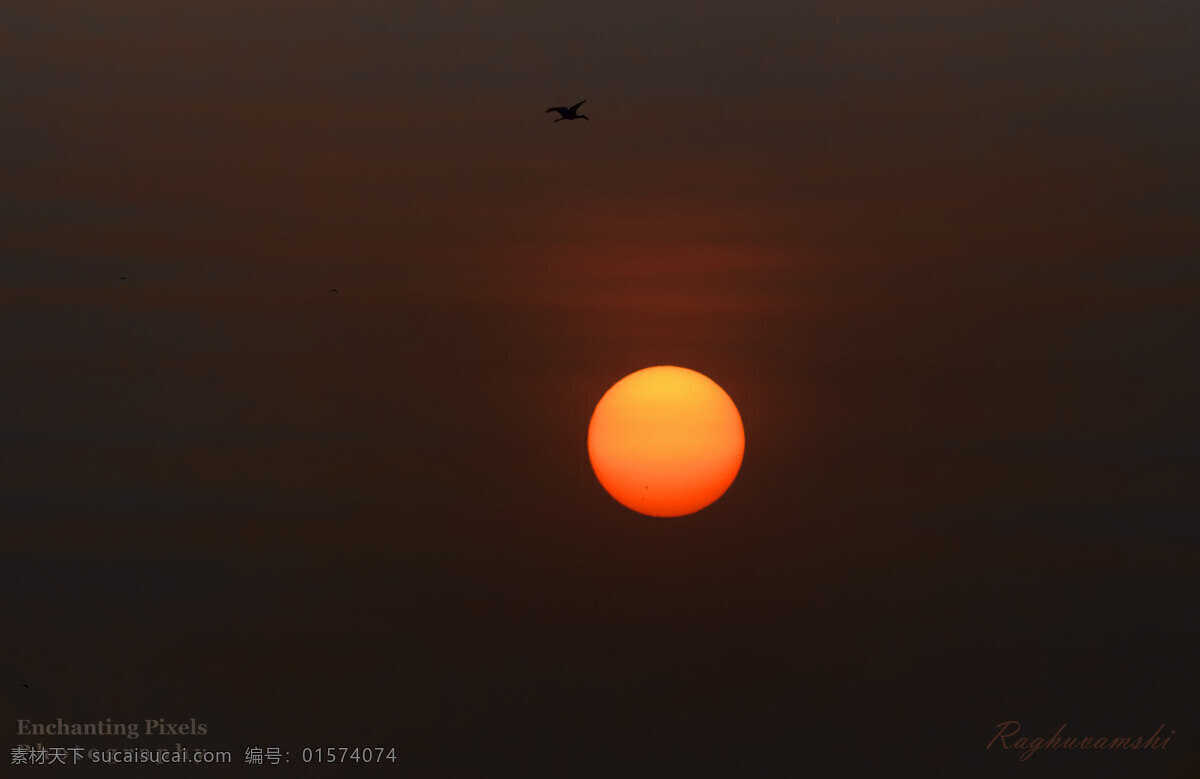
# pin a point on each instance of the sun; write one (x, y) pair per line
(666, 441)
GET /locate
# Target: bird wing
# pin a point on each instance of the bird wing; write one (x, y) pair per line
(562, 109)
(575, 107)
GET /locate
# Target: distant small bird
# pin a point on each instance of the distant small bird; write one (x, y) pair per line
(26, 686)
(124, 277)
(333, 290)
(568, 113)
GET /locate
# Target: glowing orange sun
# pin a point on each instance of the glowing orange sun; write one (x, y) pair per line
(666, 441)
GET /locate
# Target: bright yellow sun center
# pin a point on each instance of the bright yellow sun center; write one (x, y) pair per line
(666, 441)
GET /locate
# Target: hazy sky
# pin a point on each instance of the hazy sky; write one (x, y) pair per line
(943, 257)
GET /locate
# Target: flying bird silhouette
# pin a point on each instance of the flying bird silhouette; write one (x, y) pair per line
(568, 113)
(333, 290)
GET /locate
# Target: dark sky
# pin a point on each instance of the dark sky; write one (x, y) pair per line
(945, 258)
